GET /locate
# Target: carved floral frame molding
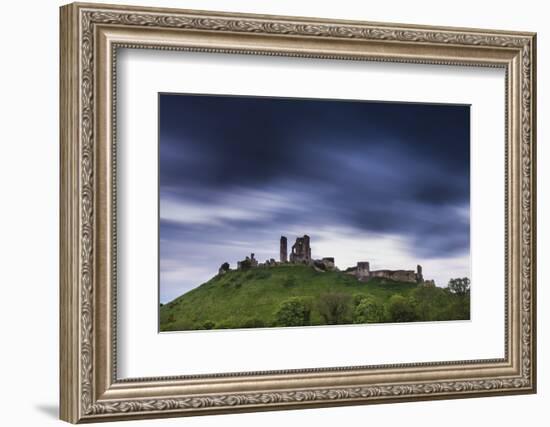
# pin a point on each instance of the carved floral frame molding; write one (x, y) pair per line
(90, 37)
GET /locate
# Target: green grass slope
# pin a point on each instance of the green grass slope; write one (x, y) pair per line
(251, 298)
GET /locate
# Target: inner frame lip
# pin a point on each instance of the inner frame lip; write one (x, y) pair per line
(458, 364)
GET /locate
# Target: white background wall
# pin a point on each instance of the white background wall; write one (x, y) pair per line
(29, 170)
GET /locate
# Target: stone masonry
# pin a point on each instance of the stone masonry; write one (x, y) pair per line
(301, 251)
(283, 250)
(363, 272)
(301, 254)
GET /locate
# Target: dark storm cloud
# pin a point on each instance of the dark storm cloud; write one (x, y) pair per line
(384, 167)
(237, 172)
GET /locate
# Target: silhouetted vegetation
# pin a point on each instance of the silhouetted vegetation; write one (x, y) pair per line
(294, 311)
(367, 310)
(335, 308)
(297, 295)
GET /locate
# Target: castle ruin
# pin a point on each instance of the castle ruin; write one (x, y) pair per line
(301, 251)
(301, 254)
(282, 250)
(248, 262)
(363, 272)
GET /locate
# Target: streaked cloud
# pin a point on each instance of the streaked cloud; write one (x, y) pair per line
(383, 182)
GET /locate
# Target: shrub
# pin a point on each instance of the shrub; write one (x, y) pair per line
(294, 311)
(208, 324)
(335, 308)
(358, 298)
(399, 309)
(460, 308)
(368, 310)
(431, 302)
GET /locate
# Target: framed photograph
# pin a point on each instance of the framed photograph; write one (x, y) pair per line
(266, 212)
(368, 181)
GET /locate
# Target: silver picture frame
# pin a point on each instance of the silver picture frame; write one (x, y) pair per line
(90, 37)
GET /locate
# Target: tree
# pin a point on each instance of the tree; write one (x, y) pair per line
(368, 310)
(430, 302)
(459, 286)
(294, 311)
(400, 309)
(335, 308)
(460, 290)
(460, 308)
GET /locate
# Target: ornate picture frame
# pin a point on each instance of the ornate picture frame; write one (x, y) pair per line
(90, 37)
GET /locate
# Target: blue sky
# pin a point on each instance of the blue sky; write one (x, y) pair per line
(368, 181)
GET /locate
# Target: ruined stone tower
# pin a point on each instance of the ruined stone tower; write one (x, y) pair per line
(363, 270)
(301, 251)
(283, 250)
(419, 277)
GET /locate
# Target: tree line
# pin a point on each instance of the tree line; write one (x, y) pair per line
(426, 302)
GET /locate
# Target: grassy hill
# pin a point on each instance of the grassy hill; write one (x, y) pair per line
(255, 298)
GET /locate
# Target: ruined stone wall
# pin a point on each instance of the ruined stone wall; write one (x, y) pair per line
(248, 262)
(324, 264)
(408, 276)
(362, 272)
(329, 262)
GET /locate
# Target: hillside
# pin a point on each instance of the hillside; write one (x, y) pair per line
(253, 298)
